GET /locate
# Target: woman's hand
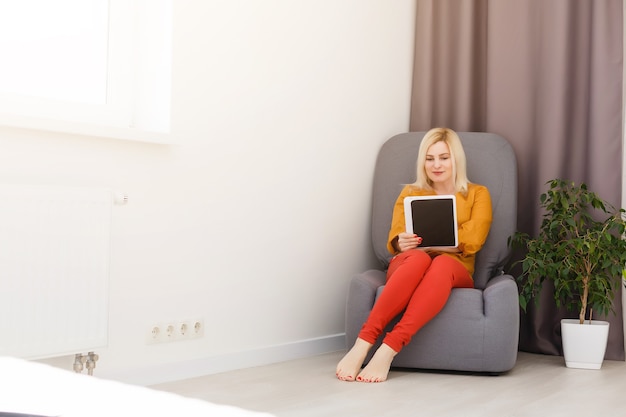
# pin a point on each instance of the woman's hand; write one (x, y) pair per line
(407, 241)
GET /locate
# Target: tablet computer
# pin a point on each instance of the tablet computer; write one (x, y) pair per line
(434, 219)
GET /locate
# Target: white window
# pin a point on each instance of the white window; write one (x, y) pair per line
(95, 67)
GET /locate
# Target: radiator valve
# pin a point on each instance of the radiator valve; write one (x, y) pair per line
(79, 362)
(92, 358)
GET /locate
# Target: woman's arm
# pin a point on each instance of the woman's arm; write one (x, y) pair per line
(473, 233)
(397, 223)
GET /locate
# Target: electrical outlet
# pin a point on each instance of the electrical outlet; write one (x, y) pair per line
(175, 330)
(197, 328)
(183, 329)
(154, 334)
(170, 332)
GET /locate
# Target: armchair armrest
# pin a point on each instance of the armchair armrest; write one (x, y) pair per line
(498, 293)
(360, 300)
(502, 322)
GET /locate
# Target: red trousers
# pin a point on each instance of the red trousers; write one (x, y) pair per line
(419, 285)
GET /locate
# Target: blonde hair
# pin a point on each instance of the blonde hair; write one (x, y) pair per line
(459, 165)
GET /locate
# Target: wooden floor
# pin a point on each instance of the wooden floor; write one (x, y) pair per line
(539, 385)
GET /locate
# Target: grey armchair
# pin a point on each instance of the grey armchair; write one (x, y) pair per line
(478, 329)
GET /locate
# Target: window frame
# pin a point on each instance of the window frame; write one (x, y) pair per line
(138, 83)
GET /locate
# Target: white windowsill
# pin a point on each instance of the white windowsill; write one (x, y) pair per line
(86, 129)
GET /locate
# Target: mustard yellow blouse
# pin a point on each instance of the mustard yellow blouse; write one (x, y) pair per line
(473, 215)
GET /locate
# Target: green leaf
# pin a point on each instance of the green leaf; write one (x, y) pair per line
(523, 303)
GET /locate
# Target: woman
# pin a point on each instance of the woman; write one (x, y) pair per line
(419, 281)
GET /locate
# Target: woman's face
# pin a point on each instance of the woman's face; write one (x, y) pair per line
(439, 165)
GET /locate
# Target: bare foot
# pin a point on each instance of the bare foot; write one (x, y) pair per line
(349, 366)
(378, 367)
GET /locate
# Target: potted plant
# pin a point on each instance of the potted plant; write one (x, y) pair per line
(580, 250)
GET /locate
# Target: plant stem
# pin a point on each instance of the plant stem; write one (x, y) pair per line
(583, 300)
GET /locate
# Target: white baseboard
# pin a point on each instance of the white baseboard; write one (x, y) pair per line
(228, 362)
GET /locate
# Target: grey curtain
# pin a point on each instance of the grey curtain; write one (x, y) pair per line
(546, 75)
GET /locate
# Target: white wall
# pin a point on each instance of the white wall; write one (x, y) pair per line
(258, 215)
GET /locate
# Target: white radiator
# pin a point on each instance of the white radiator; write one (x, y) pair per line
(54, 270)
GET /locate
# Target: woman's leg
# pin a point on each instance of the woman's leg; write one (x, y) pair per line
(427, 300)
(403, 276)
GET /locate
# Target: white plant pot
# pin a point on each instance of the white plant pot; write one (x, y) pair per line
(584, 345)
